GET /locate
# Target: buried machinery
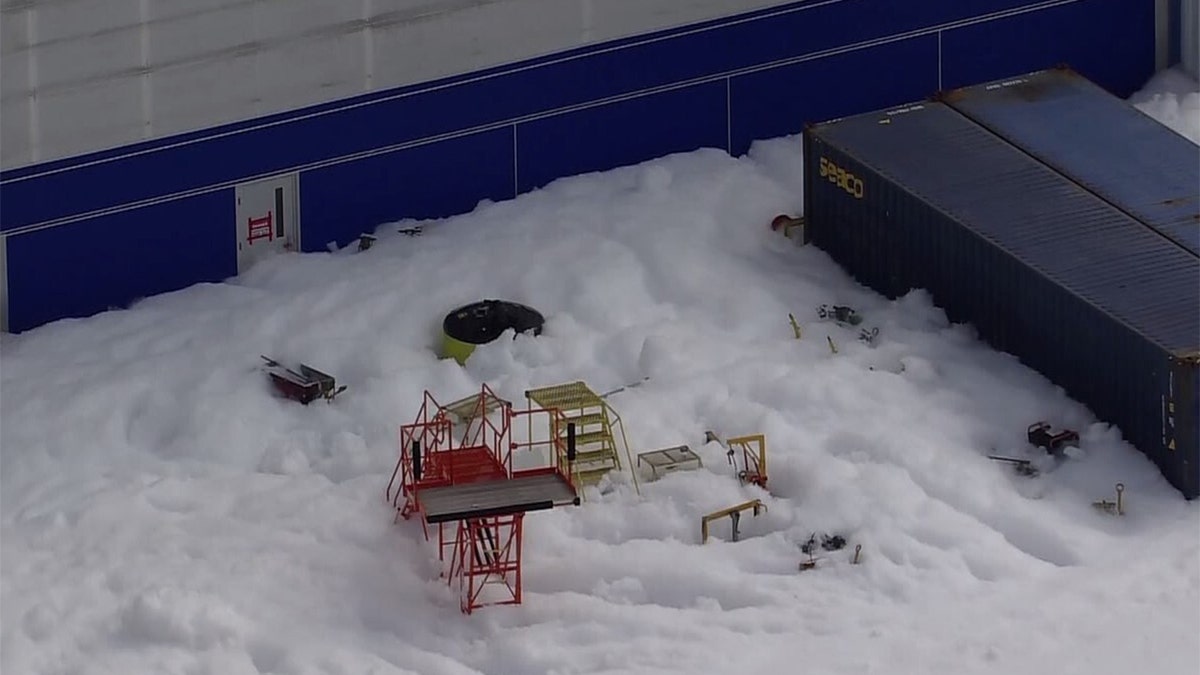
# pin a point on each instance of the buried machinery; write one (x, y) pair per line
(304, 383)
(1039, 435)
(466, 479)
(753, 465)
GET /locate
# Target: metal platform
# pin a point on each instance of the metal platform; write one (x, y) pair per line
(465, 410)
(666, 460)
(569, 396)
(496, 497)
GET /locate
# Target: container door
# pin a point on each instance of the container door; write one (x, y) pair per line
(267, 219)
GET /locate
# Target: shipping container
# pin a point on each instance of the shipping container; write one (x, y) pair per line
(1126, 157)
(923, 197)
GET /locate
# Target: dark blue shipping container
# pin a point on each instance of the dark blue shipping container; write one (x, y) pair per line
(1102, 142)
(922, 197)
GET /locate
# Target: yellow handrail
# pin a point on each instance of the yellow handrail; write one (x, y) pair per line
(755, 504)
(625, 442)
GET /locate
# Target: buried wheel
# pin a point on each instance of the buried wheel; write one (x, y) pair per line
(481, 322)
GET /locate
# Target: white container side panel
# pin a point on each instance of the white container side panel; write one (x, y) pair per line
(72, 118)
(95, 74)
(333, 69)
(205, 94)
(1189, 37)
(14, 74)
(483, 36)
(74, 62)
(290, 19)
(13, 33)
(14, 127)
(174, 9)
(612, 19)
(62, 21)
(201, 37)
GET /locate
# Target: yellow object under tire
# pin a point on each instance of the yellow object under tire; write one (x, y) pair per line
(456, 349)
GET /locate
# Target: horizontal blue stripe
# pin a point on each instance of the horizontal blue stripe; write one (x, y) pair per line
(406, 168)
(765, 104)
(341, 201)
(92, 265)
(1083, 35)
(677, 121)
(285, 142)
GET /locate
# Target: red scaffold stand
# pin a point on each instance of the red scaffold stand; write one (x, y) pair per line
(472, 487)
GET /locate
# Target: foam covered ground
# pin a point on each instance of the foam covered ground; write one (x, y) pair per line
(163, 513)
(1173, 98)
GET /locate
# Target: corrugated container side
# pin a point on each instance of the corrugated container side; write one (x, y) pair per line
(1121, 154)
(894, 240)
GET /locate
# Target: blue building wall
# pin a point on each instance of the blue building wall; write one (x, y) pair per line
(98, 231)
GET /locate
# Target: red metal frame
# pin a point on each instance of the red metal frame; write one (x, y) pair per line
(753, 471)
(486, 551)
(432, 431)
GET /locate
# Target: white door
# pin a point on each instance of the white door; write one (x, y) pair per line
(267, 219)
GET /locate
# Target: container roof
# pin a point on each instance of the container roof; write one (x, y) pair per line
(1052, 224)
(1123, 155)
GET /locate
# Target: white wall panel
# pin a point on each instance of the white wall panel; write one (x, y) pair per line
(205, 93)
(70, 119)
(219, 33)
(611, 19)
(295, 18)
(66, 19)
(169, 9)
(14, 128)
(13, 32)
(437, 45)
(333, 70)
(14, 73)
(69, 62)
(112, 71)
(16, 136)
(544, 26)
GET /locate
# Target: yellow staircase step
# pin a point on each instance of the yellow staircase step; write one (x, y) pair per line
(572, 395)
(596, 446)
(583, 420)
(591, 437)
(604, 455)
(592, 476)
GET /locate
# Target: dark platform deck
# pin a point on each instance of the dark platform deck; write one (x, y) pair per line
(495, 497)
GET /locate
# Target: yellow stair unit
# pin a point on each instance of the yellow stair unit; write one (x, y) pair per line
(595, 423)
